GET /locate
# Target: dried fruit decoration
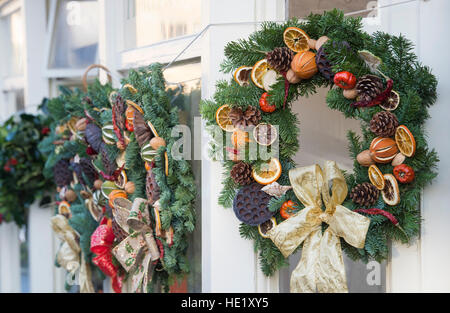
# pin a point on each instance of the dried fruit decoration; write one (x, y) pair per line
(264, 104)
(390, 193)
(404, 173)
(288, 209)
(345, 80)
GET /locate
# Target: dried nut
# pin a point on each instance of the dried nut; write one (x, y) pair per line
(98, 184)
(157, 142)
(312, 43)
(81, 124)
(321, 41)
(364, 158)
(350, 93)
(129, 187)
(70, 195)
(399, 159)
(292, 77)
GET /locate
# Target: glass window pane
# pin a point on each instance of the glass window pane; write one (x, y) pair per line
(150, 21)
(75, 37)
(183, 84)
(302, 8)
(12, 39)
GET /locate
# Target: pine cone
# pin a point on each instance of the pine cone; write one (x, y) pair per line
(118, 231)
(383, 124)
(241, 173)
(280, 59)
(93, 135)
(118, 110)
(62, 173)
(142, 132)
(368, 87)
(151, 188)
(365, 194)
(109, 165)
(323, 64)
(242, 119)
(88, 169)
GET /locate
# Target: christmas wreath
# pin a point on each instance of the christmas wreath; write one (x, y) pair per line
(21, 179)
(129, 202)
(375, 79)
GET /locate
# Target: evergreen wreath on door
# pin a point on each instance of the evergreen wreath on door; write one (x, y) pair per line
(125, 203)
(374, 78)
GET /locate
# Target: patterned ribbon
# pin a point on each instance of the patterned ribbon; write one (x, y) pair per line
(69, 254)
(139, 250)
(321, 266)
(101, 244)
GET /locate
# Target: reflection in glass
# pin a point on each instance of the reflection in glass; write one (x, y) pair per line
(150, 21)
(75, 37)
(13, 40)
(184, 89)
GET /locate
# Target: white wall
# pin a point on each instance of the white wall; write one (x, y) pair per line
(228, 261)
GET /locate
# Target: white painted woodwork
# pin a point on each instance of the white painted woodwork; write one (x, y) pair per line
(228, 261)
(9, 258)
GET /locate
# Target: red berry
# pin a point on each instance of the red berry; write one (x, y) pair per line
(90, 151)
(45, 131)
(6, 168)
(13, 161)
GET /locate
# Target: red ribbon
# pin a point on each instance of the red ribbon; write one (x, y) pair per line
(101, 244)
(114, 176)
(378, 99)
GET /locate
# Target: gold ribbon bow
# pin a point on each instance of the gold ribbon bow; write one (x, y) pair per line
(137, 252)
(321, 266)
(70, 254)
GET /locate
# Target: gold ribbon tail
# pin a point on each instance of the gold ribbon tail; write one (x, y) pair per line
(321, 267)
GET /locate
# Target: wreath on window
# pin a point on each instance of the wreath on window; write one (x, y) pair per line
(375, 79)
(21, 179)
(124, 201)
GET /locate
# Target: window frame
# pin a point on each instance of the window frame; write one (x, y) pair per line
(51, 26)
(162, 51)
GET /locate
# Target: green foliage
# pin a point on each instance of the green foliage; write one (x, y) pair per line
(413, 81)
(178, 188)
(21, 178)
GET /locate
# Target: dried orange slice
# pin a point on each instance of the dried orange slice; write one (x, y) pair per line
(130, 88)
(157, 220)
(376, 177)
(223, 118)
(152, 128)
(64, 209)
(121, 180)
(134, 105)
(296, 39)
(405, 141)
(392, 102)
(239, 138)
(258, 71)
(390, 192)
(166, 163)
(266, 226)
(268, 172)
(242, 75)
